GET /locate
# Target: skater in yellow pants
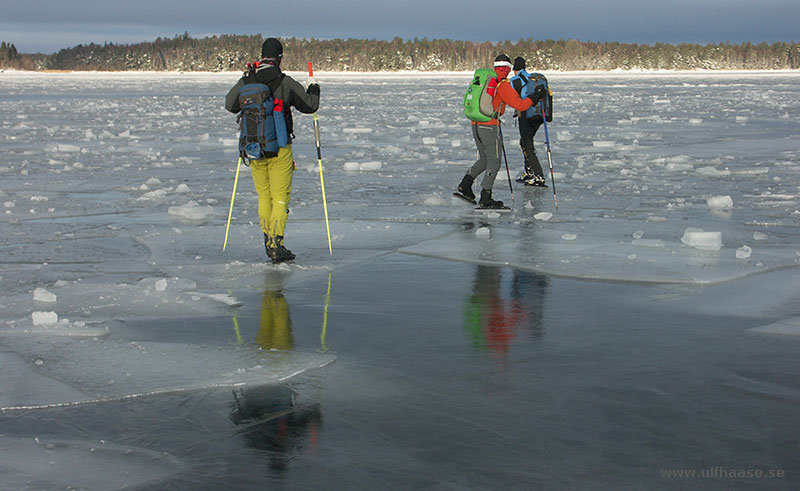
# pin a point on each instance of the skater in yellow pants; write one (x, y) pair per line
(273, 180)
(273, 175)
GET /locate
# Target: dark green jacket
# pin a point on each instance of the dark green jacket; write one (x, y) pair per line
(289, 91)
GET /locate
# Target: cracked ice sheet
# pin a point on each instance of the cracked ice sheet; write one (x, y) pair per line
(555, 249)
(87, 309)
(42, 463)
(788, 327)
(187, 253)
(197, 279)
(95, 370)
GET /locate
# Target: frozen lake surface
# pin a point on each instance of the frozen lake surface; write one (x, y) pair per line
(645, 330)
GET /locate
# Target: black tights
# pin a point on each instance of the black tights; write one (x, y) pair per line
(527, 129)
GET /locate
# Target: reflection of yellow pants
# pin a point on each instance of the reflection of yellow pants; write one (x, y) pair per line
(275, 327)
(273, 180)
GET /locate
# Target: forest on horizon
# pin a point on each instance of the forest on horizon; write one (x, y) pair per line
(232, 52)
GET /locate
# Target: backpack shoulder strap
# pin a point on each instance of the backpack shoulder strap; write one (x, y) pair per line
(275, 83)
(502, 106)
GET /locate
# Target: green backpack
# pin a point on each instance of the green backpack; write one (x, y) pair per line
(478, 98)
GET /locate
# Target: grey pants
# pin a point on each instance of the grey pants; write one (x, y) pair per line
(486, 139)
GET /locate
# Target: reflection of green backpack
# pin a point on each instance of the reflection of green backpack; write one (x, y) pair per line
(478, 98)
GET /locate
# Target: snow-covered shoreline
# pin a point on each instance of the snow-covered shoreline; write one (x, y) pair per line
(411, 73)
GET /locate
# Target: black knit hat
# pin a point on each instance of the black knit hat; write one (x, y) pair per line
(272, 48)
(502, 60)
(519, 63)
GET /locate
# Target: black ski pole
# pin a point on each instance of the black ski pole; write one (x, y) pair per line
(502, 146)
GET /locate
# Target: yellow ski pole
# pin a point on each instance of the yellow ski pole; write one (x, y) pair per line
(233, 196)
(321, 179)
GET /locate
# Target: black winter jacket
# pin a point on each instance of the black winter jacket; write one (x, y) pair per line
(289, 91)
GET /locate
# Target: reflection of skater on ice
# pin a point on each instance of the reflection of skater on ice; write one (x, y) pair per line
(269, 416)
(271, 420)
(275, 325)
(493, 317)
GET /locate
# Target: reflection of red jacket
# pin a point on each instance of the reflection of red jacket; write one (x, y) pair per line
(503, 320)
(505, 95)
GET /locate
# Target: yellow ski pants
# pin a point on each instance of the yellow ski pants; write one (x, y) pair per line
(273, 180)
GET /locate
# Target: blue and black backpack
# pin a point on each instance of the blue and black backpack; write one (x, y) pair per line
(525, 83)
(261, 121)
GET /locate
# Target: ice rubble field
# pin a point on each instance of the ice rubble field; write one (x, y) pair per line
(116, 186)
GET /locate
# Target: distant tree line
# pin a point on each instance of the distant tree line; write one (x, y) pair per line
(232, 52)
(10, 57)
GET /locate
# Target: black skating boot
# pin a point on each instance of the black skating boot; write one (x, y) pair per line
(538, 181)
(268, 245)
(276, 251)
(525, 176)
(281, 252)
(464, 189)
(487, 202)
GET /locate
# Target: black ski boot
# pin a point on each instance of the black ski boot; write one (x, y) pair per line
(276, 250)
(537, 181)
(486, 201)
(464, 190)
(526, 176)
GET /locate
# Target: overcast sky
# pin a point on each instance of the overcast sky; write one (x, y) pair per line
(46, 26)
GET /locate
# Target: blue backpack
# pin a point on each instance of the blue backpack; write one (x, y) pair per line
(525, 83)
(261, 122)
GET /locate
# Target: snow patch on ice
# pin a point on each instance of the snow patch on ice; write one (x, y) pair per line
(743, 252)
(483, 232)
(700, 239)
(434, 200)
(223, 298)
(713, 172)
(564, 136)
(362, 166)
(191, 211)
(649, 243)
(44, 318)
(42, 295)
(720, 202)
(156, 195)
